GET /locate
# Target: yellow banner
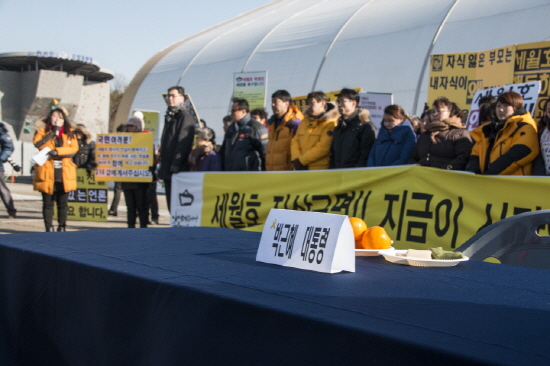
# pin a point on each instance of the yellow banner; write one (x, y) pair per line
(89, 201)
(419, 207)
(533, 63)
(124, 157)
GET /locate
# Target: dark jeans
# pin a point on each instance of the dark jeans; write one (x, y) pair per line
(5, 194)
(60, 197)
(116, 197)
(136, 200)
(152, 199)
(168, 192)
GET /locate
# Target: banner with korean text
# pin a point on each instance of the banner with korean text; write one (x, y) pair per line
(89, 201)
(419, 207)
(124, 157)
(251, 86)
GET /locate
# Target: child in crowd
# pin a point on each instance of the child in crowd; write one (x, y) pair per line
(204, 156)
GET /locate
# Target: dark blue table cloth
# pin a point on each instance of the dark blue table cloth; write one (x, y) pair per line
(183, 296)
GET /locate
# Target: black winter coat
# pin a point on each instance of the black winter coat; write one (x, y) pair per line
(242, 148)
(352, 141)
(176, 143)
(450, 151)
(85, 157)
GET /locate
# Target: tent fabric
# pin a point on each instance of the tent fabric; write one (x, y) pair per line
(378, 45)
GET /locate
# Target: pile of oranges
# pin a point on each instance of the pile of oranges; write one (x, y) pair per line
(374, 237)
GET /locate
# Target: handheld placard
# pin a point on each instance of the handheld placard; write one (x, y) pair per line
(308, 240)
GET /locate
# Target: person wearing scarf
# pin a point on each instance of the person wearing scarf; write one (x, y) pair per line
(177, 139)
(57, 176)
(509, 144)
(445, 144)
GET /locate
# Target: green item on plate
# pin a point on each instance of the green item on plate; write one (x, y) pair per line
(440, 254)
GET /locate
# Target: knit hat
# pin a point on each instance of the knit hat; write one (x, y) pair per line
(135, 121)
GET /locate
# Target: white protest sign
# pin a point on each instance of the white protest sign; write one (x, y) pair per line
(375, 103)
(308, 240)
(529, 91)
(186, 199)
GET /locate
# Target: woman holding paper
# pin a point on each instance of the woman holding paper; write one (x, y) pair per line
(56, 177)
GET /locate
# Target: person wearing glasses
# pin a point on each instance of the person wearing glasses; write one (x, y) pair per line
(446, 144)
(509, 144)
(354, 134)
(177, 139)
(245, 140)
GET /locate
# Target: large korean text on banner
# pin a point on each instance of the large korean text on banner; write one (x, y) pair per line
(419, 207)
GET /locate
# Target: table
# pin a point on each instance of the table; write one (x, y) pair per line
(186, 296)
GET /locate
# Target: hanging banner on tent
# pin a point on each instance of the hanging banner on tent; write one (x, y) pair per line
(375, 103)
(533, 63)
(529, 91)
(415, 212)
(124, 157)
(251, 86)
(151, 120)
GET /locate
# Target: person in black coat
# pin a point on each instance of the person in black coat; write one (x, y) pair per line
(354, 134)
(85, 157)
(177, 139)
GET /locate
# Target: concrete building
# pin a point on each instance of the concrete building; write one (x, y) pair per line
(31, 81)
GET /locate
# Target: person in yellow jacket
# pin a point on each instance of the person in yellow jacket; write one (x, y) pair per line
(57, 176)
(310, 148)
(509, 144)
(282, 127)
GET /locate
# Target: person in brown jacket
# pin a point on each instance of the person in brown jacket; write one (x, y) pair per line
(446, 144)
(57, 176)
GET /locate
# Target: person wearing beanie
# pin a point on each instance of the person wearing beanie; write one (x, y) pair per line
(135, 193)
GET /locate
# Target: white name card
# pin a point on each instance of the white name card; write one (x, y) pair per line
(308, 240)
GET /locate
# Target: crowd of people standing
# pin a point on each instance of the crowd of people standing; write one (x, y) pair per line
(508, 141)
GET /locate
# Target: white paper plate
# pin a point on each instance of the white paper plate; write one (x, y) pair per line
(398, 256)
(369, 252)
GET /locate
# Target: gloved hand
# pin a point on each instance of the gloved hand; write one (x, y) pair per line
(52, 153)
(174, 169)
(297, 165)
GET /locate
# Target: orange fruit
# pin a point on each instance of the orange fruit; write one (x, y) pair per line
(359, 227)
(376, 237)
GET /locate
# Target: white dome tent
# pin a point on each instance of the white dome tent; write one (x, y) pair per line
(306, 45)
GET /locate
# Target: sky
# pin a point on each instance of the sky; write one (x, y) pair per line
(120, 35)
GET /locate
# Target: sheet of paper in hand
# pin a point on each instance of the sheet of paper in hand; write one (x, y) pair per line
(308, 240)
(40, 157)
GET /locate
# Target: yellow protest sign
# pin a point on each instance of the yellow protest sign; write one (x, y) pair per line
(419, 207)
(89, 201)
(533, 63)
(124, 157)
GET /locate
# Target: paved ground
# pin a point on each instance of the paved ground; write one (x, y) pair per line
(29, 212)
